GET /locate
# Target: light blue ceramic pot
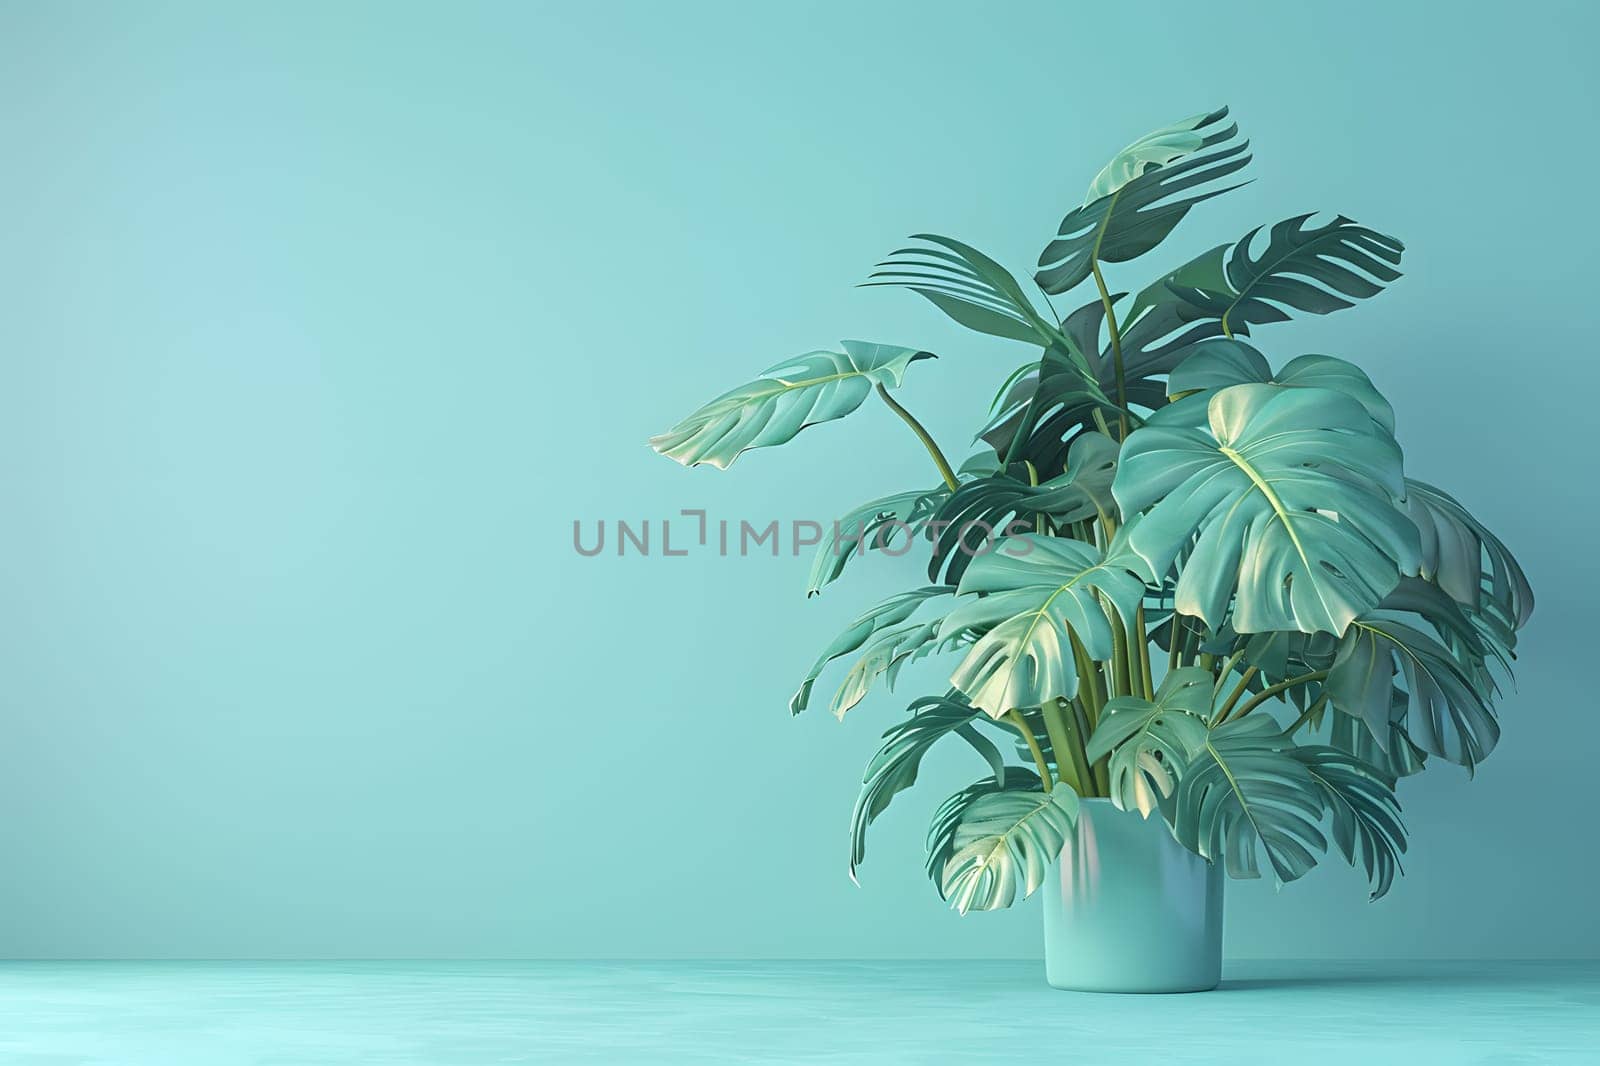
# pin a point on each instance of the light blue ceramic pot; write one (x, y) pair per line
(1129, 909)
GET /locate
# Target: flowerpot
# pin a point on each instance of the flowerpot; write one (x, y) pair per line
(1129, 909)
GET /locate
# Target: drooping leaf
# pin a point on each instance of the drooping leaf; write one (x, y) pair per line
(1000, 839)
(967, 285)
(947, 816)
(1464, 558)
(987, 508)
(1291, 493)
(890, 614)
(1150, 743)
(799, 392)
(882, 657)
(1396, 757)
(1315, 269)
(1366, 816)
(1141, 196)
(894, 768)
(1222, 361)
(1447, 713)
(1036, 590)
(1245, 788)
(880, 524)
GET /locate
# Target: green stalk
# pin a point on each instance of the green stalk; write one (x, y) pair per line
(1088, 679)
(1142, 640)
(1067, 761)
(1101, 769)
(1021, 724)
(1116, 345)
(1121, 681)
(1282, 686)
(928, 442)
(1239, 690)
(1175, 638)
(1307, 714)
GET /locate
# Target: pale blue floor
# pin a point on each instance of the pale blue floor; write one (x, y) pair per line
(445, 1014)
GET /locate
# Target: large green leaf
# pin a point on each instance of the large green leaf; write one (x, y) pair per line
(883, 628)
(1448, 711)
(876, 524)
(1315, 269)
(947, 816)
(987, 507)
(1222, 361)
(968, 286)
(1291, 493)
(1149, 742)
(1035, 592)
(894, 768)
(1395, 757)
(1001, 838)
(1141, 195)
(1244, 788)
(1366, 816)
(1455, 550)
(799, 392)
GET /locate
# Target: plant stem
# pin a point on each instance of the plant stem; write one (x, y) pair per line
(1142, 643)
(928, 442)
(1175, 637)
(1021, 724)
(1067, 760)
(1079, 723)
(1307, 714)
(1116, 344)
(1282, 686)
(1239, 690)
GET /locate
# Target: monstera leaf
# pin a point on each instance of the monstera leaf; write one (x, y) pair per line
(875, 524)
(1366, 817)
(894, 768)
(1315, 269)
(884, 632)
(996, 839)
(968, 286)
(799, 392)
(1455, 547)
(982, 508)
(1291, 494)
(1395, 757)
(1448, 712)
(1222, 361)
(1141, 195)
(1245, 787)
(1149, 742)
(1036, 592)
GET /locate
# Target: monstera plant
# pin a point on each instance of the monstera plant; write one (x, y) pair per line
(1177, 573)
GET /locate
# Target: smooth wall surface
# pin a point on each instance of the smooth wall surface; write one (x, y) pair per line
(321, 324)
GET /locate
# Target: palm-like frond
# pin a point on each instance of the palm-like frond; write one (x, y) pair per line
(1365, 815)
(888, 617)
(1315, 269)
(996, 840)
(875, 524)
(968, 286)
(1245, 788)
(1141, 195)
(894, 768)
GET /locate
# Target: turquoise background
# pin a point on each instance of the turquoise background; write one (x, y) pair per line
(320, 325)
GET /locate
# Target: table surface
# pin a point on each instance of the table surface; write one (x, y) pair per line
(444, 1014)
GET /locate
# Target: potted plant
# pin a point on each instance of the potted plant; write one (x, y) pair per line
(1195, 597)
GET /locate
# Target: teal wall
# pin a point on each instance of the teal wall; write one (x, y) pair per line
(320, 324)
